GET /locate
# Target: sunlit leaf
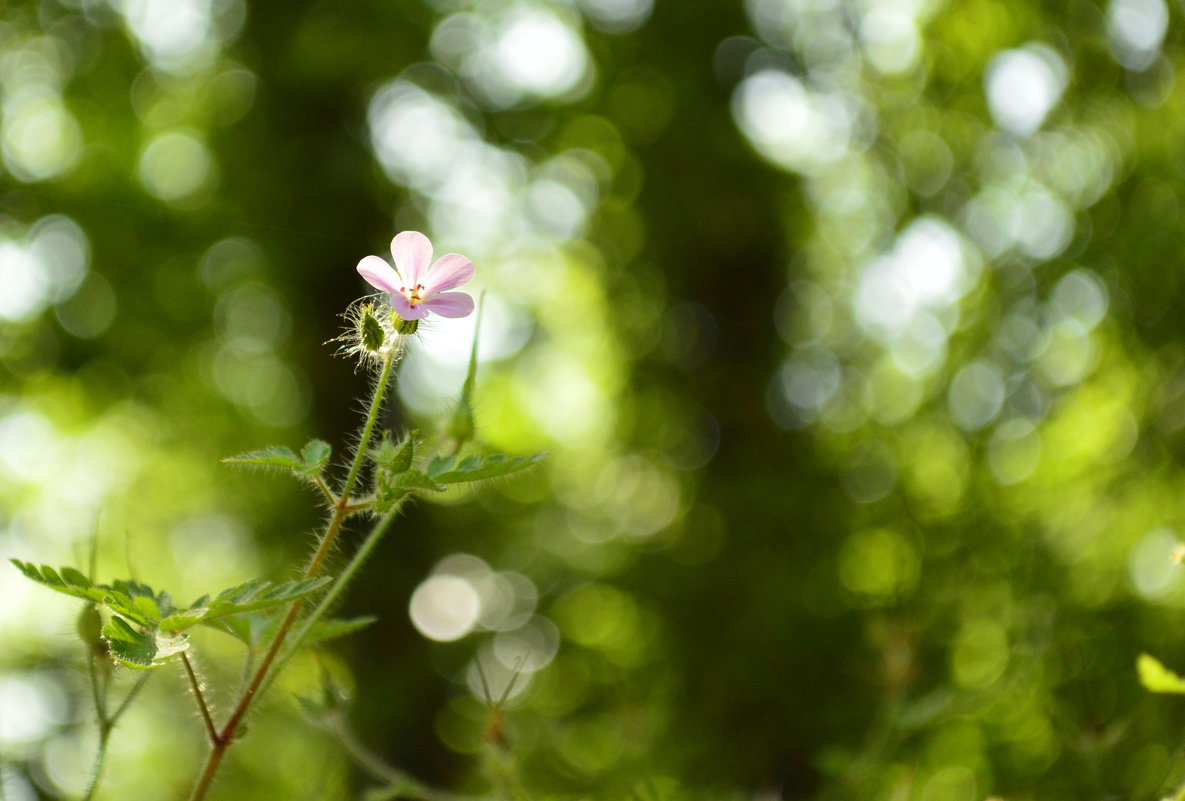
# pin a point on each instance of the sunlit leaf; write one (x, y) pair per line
(451, 470)
(257, 594)
(272, 456)
(139, 649)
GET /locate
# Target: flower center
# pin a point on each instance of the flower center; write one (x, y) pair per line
(412, 295)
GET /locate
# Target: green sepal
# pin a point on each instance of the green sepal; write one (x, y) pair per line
(370, 330)
(454, 470)
(1156, 677)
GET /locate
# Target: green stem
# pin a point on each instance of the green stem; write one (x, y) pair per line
(106, 724)
(223, 739)
(100, 758)
(196, 686)
(139, 685)
(335, 592)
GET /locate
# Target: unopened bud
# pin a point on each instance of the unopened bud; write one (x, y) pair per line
(461, 427)
(89, 626)
(370, 330)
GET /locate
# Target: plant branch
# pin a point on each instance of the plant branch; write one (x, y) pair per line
(106, 723)
(335, 592)
(131, 696)
(330, 498)
(204, 708)
(223, 738)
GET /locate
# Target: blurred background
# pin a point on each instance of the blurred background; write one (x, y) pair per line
(852, 328)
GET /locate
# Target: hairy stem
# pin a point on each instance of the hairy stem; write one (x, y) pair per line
(106, 723)
(330, 498)
(203, 707)
(335, 592)
(223, 738)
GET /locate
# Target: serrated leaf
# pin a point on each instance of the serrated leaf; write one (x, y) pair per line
(140, 649)
(450, 470)
(314, 456)
(56, 582)
(271, 456)
(75, 578)
(129, 646)
(1156, 677)
(415, 480)
(247, 628)
(260, 595)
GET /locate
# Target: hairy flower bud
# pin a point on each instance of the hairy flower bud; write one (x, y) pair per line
(370, 330)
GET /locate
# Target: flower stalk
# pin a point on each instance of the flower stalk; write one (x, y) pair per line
(342, 508)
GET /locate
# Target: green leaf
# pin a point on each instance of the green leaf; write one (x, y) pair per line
(47, 577)
(314, 456)
(260, 595)
(248, 628)
(450, 470)
(140, 649)
(272, 456)
(311, 461)
(181, 620)
(415, 480)
(1157, 678)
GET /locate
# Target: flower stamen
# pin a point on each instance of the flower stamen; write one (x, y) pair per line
(413, 296)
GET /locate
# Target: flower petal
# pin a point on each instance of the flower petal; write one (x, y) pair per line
(450, 304)
(406, 310)
(449, 272)
(379, 274)
(413, 253)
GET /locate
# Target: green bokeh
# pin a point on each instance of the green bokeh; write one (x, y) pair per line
(851, 329)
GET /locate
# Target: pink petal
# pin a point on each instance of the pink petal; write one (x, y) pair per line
(379, 274)
(450, 304)
(413, 253)
(450, 271)
(406, 310)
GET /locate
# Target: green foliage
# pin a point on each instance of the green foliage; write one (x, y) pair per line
(313, 458)
(459, 470)
(146, 628)
(140, 648)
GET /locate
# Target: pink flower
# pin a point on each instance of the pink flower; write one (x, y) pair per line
(417, 288)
